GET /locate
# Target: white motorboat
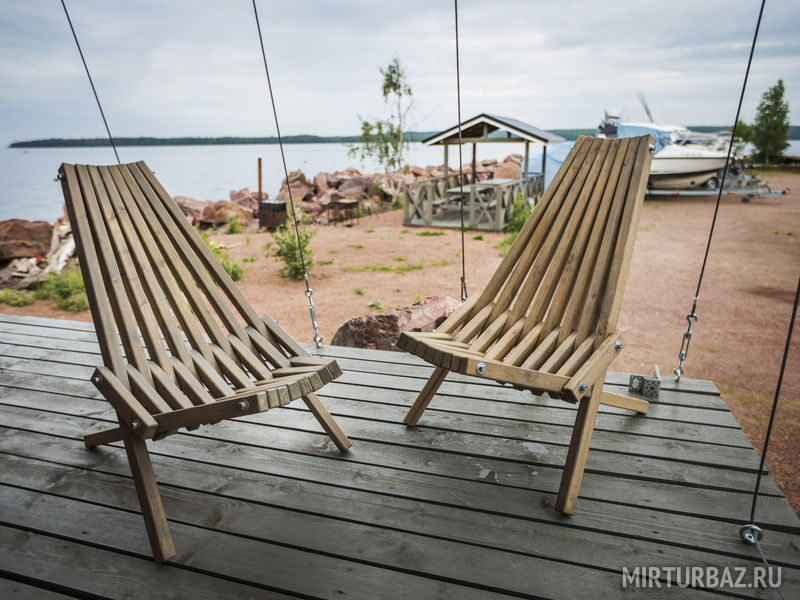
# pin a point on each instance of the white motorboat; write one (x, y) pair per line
(682, 159)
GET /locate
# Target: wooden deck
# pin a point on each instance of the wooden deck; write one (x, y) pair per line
(460, 507)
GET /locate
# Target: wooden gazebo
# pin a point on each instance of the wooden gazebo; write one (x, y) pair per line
(433, 202)
(492, 128)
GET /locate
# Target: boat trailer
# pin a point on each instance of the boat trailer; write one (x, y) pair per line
(736, 184)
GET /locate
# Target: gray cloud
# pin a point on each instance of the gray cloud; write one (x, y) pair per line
(193, 67)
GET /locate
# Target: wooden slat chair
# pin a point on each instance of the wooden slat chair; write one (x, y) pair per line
(181, 345)
(547, 319)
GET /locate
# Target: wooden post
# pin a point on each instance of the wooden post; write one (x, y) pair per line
(259, 179)
(524, 171)
(474, 162)
(544, 160)
(446, 170)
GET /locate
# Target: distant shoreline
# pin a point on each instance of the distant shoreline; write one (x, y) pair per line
(411, 136)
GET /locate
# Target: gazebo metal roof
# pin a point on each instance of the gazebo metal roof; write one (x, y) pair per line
(493, 128)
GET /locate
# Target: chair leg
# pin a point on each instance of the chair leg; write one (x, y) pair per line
(155, 519)
(104, 436)
(325, 419)
(425, 396)
(578, 450)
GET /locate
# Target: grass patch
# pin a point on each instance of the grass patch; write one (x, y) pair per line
(377, 304)
(234, 226)
(285, 246)
(358, 292)
(786, 233)
(370, 230)
(428, 233)
(14, 297)
(355, 245)
(404, 231)
(386, 268)
(399, 259)
(66, 289)
(250, 259)
(325, 262)
(232, 267)
(478, 237)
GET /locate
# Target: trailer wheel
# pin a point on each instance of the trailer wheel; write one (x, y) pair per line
(711, 184)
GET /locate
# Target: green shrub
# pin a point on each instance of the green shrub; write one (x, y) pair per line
(66, 289)
(377, 304)
(397, 203)
(234, 226)
(285, 247)
(359, 292)
(520, 211)
(478, 237)
(232, 267)
(14, 297)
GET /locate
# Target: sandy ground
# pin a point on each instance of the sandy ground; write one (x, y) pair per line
(744, 305)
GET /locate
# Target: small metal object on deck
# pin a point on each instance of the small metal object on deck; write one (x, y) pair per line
(618, 346)
(481, 368)
(136, 425)
(751, 533)
(582, 387)
(648, 386)
(242, 406)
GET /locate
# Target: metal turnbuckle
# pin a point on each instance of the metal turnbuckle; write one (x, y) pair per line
(687, 338)
(313, 312)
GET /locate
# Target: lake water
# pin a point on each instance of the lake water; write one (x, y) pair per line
(28, 189)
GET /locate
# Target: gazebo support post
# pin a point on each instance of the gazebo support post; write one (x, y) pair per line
(474, 162)
(446, 170)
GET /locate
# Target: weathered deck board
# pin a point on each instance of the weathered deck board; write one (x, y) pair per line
(459, 507)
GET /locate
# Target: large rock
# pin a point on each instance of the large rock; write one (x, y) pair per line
(321, 181)
(507, 170)
(246, 198)
(300, 193)
(190, 207)
(380, 331)
(356, 187)
(222, 211)
(23, 239)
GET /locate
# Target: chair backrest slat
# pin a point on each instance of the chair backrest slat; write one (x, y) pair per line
(549, 267)
(512, 270)
(618, 273)
(192, 278)
(112, 278)
(564, 274)
(577, 298)
(140, 303)
(187, 332)
(569, 284)
(93, 278)
(166, 264)
(139, 241)
(605, 253)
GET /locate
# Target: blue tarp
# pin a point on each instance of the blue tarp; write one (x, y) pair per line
(661, 137)
(556, 154)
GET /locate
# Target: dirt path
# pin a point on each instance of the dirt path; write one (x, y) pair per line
(744, 306)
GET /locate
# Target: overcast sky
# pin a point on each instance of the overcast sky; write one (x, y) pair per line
(191, 67)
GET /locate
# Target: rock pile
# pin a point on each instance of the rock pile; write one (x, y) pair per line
(373, 191)
(35, 249)
(381, 331)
